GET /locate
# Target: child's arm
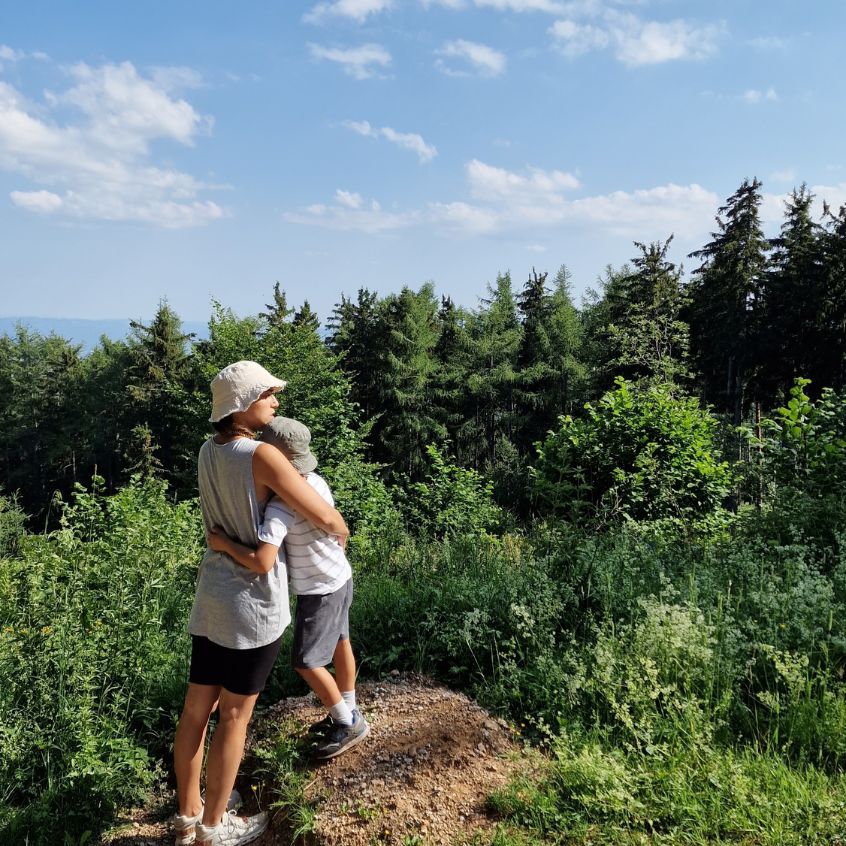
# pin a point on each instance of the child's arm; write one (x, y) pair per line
(259, 560)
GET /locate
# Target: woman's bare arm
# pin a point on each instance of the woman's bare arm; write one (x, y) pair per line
(273, 472)
(260, 560)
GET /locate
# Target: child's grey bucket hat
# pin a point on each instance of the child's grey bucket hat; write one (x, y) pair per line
(293, 438)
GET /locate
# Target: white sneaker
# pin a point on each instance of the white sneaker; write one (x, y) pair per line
(232, 830)
(184, 826)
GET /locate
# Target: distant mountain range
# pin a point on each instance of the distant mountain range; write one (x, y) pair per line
(82, 331)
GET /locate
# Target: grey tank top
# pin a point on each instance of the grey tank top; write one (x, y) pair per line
(233, 606)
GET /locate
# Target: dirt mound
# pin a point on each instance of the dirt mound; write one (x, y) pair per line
(431, 760)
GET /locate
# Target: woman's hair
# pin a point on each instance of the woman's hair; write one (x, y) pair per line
(228, 426)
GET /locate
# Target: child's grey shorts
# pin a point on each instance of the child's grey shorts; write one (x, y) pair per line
(319, 623)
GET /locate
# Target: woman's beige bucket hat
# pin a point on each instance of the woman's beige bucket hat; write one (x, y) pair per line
(238, 386)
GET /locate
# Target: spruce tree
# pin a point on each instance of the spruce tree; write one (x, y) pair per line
(496, 334)
(831, 362)
(157, 380)
(352, 337)
(407, 333)
(304, 316)
(650, 340)
(792, 300)
(725, 303)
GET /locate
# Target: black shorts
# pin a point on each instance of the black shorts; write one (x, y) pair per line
(320, 621)
(241, 671)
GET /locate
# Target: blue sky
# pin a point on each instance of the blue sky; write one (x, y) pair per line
(206, 150)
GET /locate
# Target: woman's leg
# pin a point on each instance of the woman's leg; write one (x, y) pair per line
(200, 702)
(225, 752)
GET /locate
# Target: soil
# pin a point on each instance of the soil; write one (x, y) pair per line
(422, 776)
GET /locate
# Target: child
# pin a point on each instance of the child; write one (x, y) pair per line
(321, 577)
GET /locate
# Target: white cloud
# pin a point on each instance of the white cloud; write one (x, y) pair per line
(773, 205)
(449, 4)
(39, 201)
(369, 219)
(536, 248)
(127, 111)
(493, 183)
(410, 141)
(651, 42)
(99, 165)
(7, 54)
(358, 62)
(521, 204)
(173, 79)
(644, 214)
(349, 199)
(406, 140)
(635, 41)
(481, 58)
(768, 42)
(550, 6)
(573, 38)
(357, 10)
(464, 218)
(787, 175)
(647, 213)
(752, 95)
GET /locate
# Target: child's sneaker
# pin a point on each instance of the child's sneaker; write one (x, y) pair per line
(339, 737)
(184, 825)
(232, 830)
(321, 726)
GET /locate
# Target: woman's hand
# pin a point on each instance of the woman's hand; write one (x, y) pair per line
(218, 539)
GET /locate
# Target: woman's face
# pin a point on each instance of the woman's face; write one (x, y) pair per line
(260, 413)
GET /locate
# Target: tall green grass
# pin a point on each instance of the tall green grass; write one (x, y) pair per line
(685, 678)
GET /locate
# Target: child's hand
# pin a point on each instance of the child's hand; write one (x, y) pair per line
(218, 539)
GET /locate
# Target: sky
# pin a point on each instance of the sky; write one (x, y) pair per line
(200, 151)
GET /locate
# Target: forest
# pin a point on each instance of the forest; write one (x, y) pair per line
(619, 522)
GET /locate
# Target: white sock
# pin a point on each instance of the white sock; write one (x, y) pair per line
(349, 698)
(341, 713)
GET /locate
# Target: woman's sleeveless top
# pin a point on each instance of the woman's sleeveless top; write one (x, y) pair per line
(234, 606)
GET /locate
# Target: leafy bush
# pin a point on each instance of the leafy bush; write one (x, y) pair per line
(93, 657)
(804, 444)
(483, 614)
(649, 758)
(642, 453)
(452, 501)
(12, 525)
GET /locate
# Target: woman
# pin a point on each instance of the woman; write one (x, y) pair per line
(238, 616)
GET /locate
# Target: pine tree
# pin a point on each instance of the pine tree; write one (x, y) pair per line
(496, 333)
(650, 340)
(407, 333)
(831, 361)
(157, 380)
(452, 353)
(725, 302)
(277, 312)
(792, 300)
(353, 328)
(602, 309)
(304, 316)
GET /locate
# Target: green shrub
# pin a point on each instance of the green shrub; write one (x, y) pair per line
(12, 525)
(93, 657)
(642, 453)
(452, 501)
